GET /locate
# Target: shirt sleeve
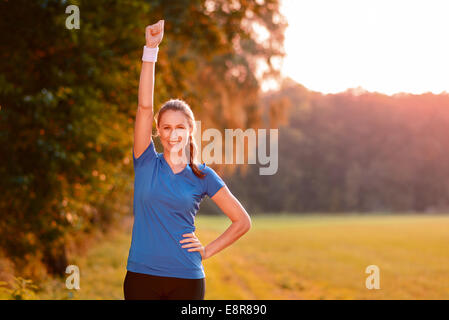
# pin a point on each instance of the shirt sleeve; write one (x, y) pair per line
(148, 155)
(212, 182)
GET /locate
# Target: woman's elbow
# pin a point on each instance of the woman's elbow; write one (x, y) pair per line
(246, 224)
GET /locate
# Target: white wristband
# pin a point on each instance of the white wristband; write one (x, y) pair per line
(150, 54)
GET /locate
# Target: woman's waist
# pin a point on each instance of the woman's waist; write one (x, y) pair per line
(166, 258)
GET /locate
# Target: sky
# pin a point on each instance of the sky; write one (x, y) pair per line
(384, 46)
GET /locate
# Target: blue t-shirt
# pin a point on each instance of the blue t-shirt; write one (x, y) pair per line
(165, 205)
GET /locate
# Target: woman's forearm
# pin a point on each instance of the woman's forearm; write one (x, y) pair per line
(146, 85)
(231, 234)
(153, 37)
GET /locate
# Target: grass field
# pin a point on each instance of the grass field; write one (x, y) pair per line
(296, 257)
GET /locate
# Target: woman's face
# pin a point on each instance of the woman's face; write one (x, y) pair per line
(173, 130)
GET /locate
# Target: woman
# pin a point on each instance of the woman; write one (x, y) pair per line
(165, 257)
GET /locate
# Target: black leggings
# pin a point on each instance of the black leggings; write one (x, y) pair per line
(139, 286)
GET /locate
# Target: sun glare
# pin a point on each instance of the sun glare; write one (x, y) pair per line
(384, 46)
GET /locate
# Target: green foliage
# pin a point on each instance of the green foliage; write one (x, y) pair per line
(21, 289)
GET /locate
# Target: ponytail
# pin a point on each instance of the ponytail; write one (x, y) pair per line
(192, 149)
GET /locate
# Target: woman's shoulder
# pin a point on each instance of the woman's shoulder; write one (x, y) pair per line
(209, 172)
(205, 168)
(212, 181)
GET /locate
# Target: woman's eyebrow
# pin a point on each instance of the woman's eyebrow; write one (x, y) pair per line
(177, 125)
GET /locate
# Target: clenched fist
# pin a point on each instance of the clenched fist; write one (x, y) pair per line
(154, 34)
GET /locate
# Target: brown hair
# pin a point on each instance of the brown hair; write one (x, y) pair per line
(182, 106)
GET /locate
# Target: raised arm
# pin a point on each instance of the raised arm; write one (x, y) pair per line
(144, 115)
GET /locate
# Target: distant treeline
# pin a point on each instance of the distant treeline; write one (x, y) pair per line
(354, 152)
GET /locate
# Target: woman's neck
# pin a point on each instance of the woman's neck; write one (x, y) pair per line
(179, 160)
